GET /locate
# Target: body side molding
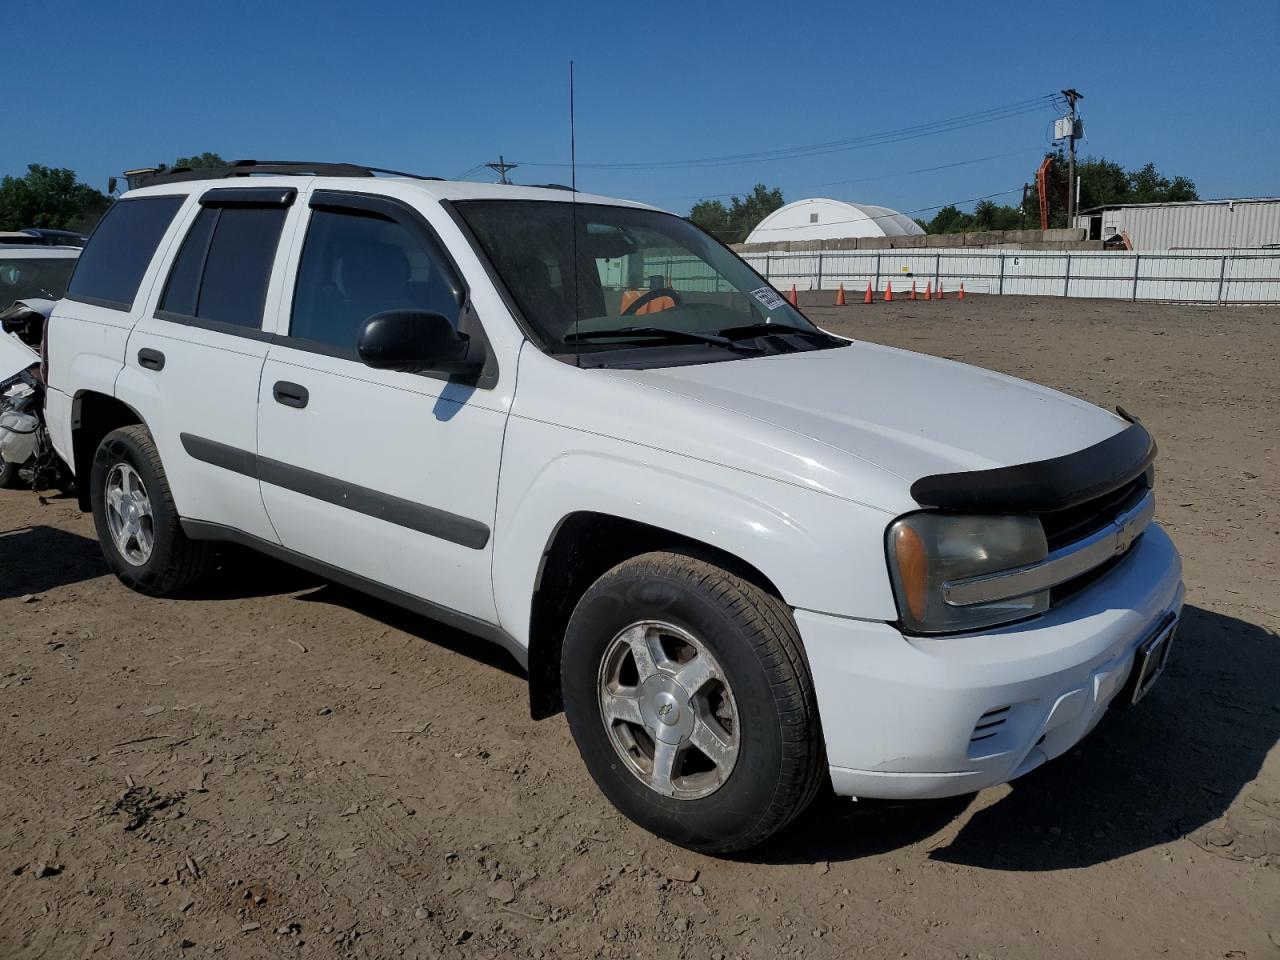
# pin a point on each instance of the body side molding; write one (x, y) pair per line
(382, 506)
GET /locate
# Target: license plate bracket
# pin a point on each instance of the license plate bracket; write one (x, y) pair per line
(1149, 661)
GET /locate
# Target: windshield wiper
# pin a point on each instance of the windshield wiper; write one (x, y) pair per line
(749, 330)
(679, 336)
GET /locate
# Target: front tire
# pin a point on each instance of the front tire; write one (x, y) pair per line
(137, 522)
(689, 697)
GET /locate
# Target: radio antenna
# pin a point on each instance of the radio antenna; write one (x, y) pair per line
(573, 214)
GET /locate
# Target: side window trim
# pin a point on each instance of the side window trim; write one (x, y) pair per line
(217, 326)
(398, 212)
(249, 197)
(403, 214)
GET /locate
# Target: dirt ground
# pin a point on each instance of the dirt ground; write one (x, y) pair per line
(279, 767)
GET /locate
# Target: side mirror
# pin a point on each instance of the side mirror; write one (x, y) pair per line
(412, 341)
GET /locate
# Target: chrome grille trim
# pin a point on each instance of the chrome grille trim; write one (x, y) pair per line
(1061, 565)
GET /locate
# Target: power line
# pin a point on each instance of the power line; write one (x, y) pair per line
(915, 131)
(941, 166)
(469, 171)
(501, 168)
(878, 176)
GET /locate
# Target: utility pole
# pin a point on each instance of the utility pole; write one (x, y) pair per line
(1072, 96)
(501, 167)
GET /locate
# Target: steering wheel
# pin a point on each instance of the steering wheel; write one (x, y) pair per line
(648, 297)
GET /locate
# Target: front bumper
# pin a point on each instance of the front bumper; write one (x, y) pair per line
(914, 717)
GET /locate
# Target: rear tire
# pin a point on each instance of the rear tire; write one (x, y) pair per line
(137, 522)
(641, 727)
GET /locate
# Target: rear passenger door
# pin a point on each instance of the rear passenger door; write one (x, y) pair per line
(194, 361)
(390, 476)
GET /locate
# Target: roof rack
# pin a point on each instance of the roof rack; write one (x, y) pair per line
(254, 168)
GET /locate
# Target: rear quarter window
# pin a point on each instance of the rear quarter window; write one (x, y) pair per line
(111, 267)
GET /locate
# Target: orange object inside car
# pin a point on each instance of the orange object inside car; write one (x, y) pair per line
(653, 306)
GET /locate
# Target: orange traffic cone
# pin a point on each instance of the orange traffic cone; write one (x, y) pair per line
(913, 291)
(938, 295)
(795, 300)
(961, 295)
(888, 292)
(840, 295)
(867, 298)
(928, 290)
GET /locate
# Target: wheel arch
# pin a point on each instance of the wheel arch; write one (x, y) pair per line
(93, 416)
(580, 548)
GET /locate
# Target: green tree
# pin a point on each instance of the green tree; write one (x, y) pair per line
(712, 216)
(989, 215)
(201, 160)
(1147, 185)
(732, 224)
(950, 219)
(1102, 182)
(746, 213)
(49, 197)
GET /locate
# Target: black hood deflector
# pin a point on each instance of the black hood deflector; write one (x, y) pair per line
(1046, 485)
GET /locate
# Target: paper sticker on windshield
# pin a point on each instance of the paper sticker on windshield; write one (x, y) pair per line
(769, 298)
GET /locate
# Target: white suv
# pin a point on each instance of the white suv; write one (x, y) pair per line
(745, 556)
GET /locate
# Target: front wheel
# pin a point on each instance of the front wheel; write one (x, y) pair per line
(9, 477)
(687, 692)
(137, 522)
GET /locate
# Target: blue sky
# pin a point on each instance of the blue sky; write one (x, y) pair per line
(441, 87)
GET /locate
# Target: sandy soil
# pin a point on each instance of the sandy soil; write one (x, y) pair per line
(281, 767)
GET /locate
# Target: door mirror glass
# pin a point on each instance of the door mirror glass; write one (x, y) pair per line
(413, 341)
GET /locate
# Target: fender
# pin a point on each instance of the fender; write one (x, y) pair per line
(822, 552)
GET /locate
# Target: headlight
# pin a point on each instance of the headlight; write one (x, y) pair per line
(929, 549)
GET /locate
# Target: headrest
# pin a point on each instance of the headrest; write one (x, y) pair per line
(373, 271)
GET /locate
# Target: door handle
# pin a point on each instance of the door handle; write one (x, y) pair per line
(151, 359)
(290, 394)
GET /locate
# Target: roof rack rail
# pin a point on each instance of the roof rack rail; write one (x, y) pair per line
(252, 168)
(552, 186)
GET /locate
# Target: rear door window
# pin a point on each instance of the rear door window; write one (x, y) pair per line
(220, 276)
(111, 268)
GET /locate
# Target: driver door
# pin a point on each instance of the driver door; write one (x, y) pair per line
(389, 476)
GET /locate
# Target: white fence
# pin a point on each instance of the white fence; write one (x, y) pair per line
(1188, 276)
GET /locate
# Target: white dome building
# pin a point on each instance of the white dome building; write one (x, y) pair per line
(823, 219)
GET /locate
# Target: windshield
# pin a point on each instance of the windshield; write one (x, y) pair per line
(644, 280)
(25, 277)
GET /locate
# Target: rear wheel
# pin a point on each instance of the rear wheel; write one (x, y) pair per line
(136, 520)
(691, 702)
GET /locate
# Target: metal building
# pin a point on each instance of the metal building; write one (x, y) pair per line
(1248, 223)
(823, 219)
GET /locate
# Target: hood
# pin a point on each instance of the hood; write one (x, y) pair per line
(892, 411)
(16, 356)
